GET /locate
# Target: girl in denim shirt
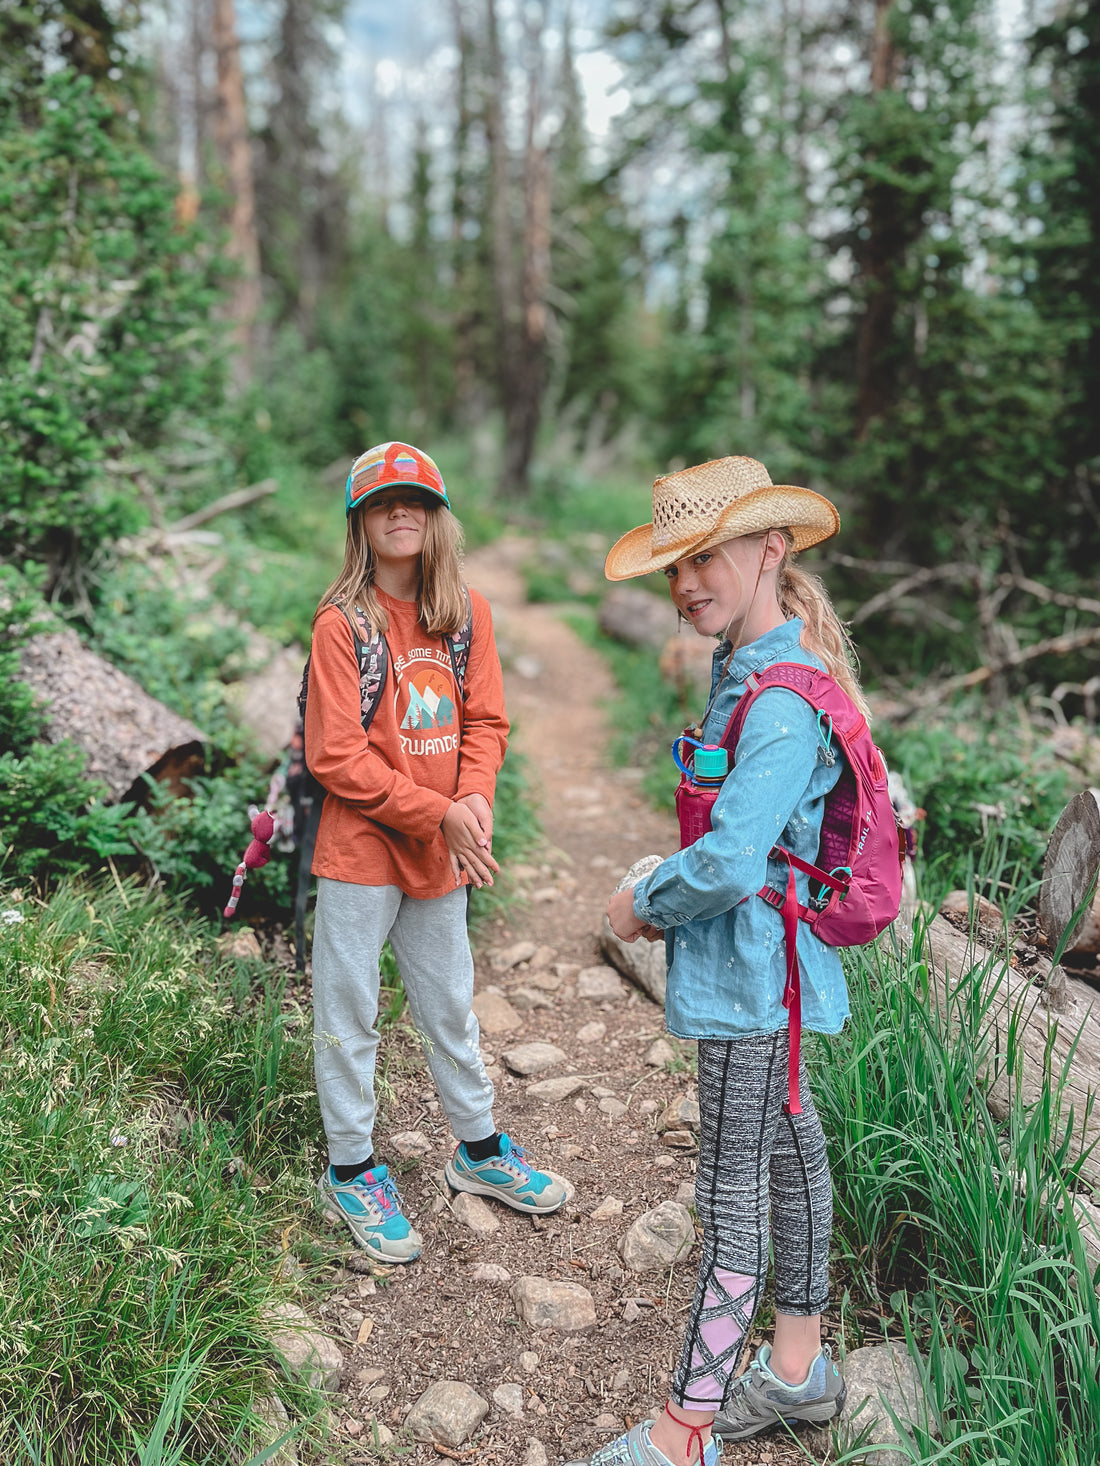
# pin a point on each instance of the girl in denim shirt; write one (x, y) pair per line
(724, 536)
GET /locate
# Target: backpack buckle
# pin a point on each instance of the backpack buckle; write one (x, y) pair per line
(772, 896)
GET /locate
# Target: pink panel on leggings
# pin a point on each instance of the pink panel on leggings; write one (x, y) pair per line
(734, 1295)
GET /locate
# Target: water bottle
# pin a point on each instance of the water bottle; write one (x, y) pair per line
(700, 782)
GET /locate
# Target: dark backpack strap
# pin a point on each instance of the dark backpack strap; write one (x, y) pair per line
(312, 802)
(372, 653)
(459, 645)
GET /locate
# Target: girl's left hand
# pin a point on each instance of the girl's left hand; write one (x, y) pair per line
(483, 812)
(620, 913)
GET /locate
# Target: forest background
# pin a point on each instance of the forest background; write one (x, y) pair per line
(857, 239)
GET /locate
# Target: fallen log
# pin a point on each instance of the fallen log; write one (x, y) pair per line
(124, 732)
(1055, 1021)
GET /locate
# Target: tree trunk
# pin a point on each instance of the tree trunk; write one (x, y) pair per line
(879, 255)
(235, 151)
(1069, 877)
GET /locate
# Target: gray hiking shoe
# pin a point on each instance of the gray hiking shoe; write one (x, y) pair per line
(636, 1449)
(760, 1399)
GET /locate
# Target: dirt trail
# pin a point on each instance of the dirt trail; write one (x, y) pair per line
(450, 1315)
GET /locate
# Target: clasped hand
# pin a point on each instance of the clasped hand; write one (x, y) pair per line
(468, 830)
(624, 923)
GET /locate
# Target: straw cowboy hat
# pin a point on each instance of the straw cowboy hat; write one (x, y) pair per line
(702, 506)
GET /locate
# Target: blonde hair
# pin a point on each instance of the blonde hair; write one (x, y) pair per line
(824, 633)
(441, 597)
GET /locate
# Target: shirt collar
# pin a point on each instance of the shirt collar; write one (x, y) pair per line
(763, 651)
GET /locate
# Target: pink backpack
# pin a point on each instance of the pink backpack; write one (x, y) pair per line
(859, 857)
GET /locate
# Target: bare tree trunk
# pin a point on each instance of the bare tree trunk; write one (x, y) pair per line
(879, 254)
(235, 151)
(521, 277)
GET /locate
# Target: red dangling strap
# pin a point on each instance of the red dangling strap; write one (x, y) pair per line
(792, 993)
(695, 1432)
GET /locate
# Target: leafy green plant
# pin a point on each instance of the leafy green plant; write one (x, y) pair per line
(978, 780)
(157, 1130)
(959, 1225)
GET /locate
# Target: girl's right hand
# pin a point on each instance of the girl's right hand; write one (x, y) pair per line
(465, 845)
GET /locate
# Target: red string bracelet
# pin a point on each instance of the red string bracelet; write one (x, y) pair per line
(695, 1432)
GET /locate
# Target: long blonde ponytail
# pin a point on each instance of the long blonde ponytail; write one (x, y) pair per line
(804, 595)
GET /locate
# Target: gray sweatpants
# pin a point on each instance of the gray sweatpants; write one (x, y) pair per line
(433, 956)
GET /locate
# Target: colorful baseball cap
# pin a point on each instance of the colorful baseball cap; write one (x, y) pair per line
(388, 465)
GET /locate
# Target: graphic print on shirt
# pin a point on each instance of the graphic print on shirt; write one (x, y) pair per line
(424, 701)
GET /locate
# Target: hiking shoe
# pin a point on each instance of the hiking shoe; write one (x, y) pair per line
(509, 1177)
(636, 1449)
(759, 1398)
(371, 1207)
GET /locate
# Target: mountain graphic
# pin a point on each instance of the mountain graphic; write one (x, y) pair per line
(427, 709)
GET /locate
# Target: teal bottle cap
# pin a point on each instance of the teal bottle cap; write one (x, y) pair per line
(711, 762)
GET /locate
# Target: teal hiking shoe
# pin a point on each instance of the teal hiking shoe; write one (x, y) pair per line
(759, 1398)
(509, 1177)
(371, 1207)
(636, 1449)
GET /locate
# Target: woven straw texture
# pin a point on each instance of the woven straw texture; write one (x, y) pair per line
(702, 506)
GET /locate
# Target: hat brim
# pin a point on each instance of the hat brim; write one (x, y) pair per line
(398, 483)
(810, 517)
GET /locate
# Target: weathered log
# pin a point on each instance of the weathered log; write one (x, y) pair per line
(1050, 1021)
(1069, 875)
(124, 732)
(636, 617)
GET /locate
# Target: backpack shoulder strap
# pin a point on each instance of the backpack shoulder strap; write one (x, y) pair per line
(458, 644)
(373, 655)
(793, 676)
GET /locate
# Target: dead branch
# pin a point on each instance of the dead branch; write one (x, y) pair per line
(1051, 597)
(901, 588)
(236, 500)
(1050, 646)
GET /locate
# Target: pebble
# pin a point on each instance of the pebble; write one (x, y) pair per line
(490, 1272)
(682, 1113)
(411, 1143)
(631, 1312)
(536, 1451)
(581, 1106)
(659, 1238)
(370, 1376)
(685, 1192)
(648, 1107)
(505, 958)
(659, 1053)
(600, 985)
(509, 1398)
(664, 1160)
(678, 1139)
(591, 1033)
(613, 1108)
(529, 1361)
(558, 1088)
(476, 1214)
(566, 971)
(448, 1412)
(495, 1013)
(527, 998)
(606, 1421)
(601, 1091)
(621, 1381)
(548, 1305)
(543, 956)
(545, 894)
(533, 1058)
(609, 1207)
(547, 981)
(309, 1356)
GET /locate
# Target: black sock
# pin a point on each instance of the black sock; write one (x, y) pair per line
(349, 1173)
(481, 1150)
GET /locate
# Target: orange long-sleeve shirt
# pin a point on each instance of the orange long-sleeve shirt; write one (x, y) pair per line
(389, 789)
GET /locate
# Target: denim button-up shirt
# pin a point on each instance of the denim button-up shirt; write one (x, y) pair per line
(724, 945)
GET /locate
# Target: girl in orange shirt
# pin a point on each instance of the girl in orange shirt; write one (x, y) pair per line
(407, 823)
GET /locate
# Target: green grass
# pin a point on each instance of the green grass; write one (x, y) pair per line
(157, 1128)
(957, 1226)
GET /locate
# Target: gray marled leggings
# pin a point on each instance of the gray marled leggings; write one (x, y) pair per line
(754, 1160)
